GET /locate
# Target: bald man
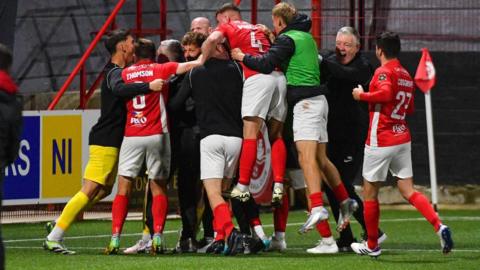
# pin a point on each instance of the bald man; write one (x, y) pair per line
(201, 25)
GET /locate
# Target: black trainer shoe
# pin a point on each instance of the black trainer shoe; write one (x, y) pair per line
(216, 247)
(344, 245)
(188, 245)
(253, 244)
(234, 243)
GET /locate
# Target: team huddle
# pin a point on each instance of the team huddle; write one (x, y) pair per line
(203, 118)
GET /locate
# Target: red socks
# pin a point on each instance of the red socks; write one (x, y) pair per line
(279, 160)
(247, 160)
(255, 222)
(220, 233)
(223, 220)
(280, 215)
(119, 213)
(372, 216)
(340, 193)
(324, 229)
(419, 201)
(316, 199)
(159, 212)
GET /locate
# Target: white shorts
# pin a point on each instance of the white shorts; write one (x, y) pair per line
(264, 96)
(379, 160)
(155, 150)
(278, 104)
(219, 156)
(310, 117)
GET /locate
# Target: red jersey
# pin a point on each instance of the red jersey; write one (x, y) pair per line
(146, 114)
(390, 98)
(246, 36)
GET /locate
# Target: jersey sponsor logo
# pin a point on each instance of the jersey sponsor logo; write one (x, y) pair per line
(399, 128)
(382, 77)
(139, 74)
(138, 118)
(405, 83)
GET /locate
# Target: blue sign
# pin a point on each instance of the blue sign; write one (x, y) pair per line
(22, 178)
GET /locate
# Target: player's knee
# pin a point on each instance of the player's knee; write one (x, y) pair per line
(251, 127)
(322, 162)
(158, 186)
(305, 160)
(406, 192)
(106, 190)
(91, 189)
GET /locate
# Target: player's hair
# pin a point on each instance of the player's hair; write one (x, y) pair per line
(389, 43)
(174, 47)
(226, 7)
(348, 30)
(193, 38)
(145, 49)
(115, 37)
(285, 11)
(5, 57)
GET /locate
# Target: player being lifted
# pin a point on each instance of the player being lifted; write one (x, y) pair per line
(146, 138)
(296, 52)
(388, 145)
(263, 98)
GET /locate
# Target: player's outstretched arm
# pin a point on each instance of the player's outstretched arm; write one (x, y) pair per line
(209, 45)
(121, 89)
(359, 70)
(156, 85)
(280, 52)
(187, 66)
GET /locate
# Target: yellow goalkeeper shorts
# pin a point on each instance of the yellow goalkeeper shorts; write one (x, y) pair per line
(102, 165)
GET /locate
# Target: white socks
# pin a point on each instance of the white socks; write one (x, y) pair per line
(259, 232)
(56, 234)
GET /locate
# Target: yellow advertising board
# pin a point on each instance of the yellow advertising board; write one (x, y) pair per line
(61, 155)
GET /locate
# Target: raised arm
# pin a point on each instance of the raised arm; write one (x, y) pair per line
(121, 89)
(209, 45)
(187, 66)
(358, 71)
(281, 51)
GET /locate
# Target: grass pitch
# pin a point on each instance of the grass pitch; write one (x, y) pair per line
(411, 244)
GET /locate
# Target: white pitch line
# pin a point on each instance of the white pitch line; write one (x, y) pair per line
(296, 248)
(82, 237)
(409, 250)
(453, 218)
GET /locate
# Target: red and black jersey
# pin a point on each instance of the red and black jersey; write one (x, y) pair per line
(109, 129)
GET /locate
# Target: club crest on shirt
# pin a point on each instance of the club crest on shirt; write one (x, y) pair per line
(382, 77)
